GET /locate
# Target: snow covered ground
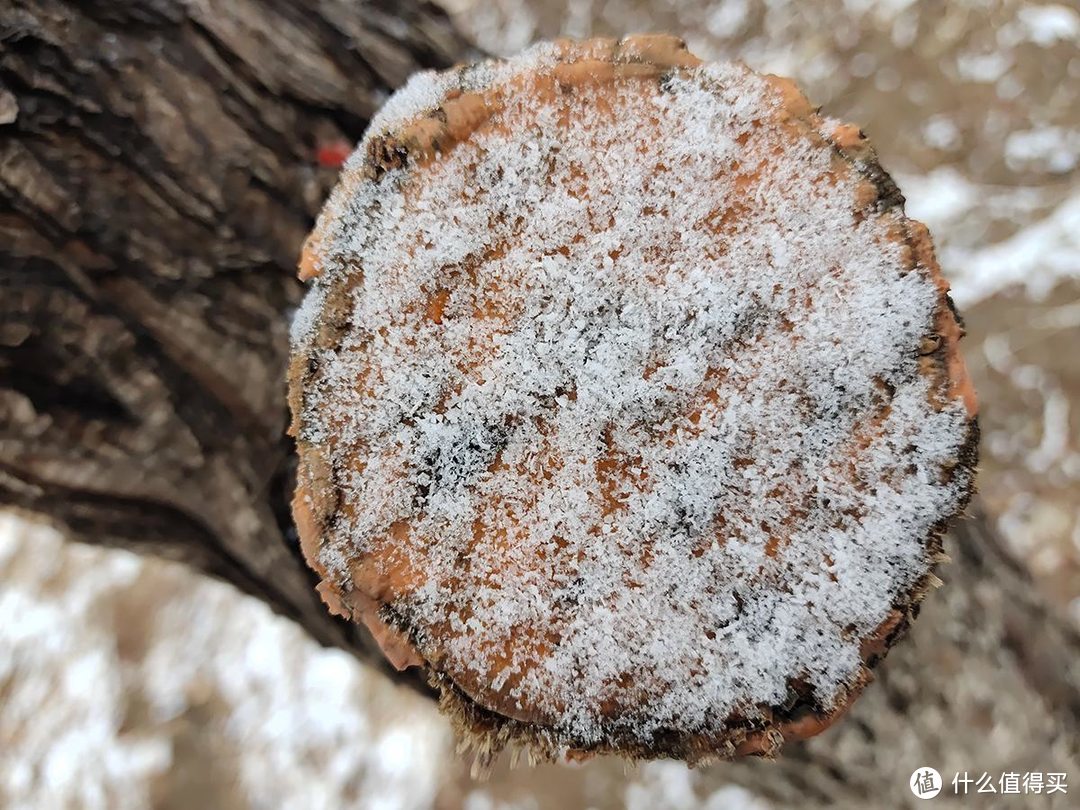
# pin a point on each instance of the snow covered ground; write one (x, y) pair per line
(125, 682)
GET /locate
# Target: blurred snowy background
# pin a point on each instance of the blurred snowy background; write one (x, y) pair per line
(128, 683)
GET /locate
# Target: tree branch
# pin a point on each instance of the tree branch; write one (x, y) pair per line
(157, 177)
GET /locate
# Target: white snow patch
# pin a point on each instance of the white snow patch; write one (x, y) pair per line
(1049, 24)
(1056, 148)
(310, 727)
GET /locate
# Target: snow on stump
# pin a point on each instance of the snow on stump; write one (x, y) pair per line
(628, 402)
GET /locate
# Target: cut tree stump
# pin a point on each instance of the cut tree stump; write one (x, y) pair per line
(159, 168)
(628, 402)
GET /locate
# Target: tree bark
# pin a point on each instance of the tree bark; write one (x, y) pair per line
(158, 172)
(159, 167)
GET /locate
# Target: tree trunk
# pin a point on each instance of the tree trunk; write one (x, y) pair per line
(159, 167)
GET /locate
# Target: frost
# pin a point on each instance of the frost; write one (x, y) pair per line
(667, 427)
(306, 315)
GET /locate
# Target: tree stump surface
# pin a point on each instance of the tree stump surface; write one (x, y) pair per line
(628, 401)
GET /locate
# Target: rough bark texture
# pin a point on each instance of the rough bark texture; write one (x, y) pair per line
(157, 175)
(158, 171)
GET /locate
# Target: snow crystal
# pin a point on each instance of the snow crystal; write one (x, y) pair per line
(635, 393)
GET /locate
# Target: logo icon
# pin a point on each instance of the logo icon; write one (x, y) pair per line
(925, 783)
